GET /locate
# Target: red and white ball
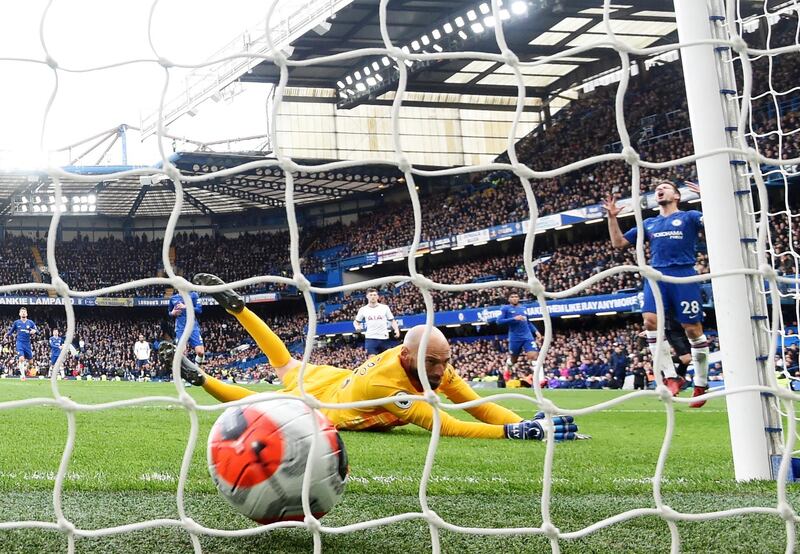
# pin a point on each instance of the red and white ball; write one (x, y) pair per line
(257, 457)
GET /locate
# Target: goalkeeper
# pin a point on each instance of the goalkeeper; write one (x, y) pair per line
(392, 373)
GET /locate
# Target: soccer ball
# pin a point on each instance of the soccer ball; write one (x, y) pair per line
(257, 457)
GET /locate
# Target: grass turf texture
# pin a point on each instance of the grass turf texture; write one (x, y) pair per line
(126, 461)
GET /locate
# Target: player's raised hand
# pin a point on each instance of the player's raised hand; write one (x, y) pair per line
(694, 187)
(610, 206)
(565, 429)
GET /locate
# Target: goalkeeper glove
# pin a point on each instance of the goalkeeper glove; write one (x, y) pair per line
(532, 429)
(189, 371)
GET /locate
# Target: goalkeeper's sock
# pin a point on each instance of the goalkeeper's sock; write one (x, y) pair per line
(700, 354)
(223, 391)
(666, 358)
(199, 358)
(23, 368)
(269, 343)
(509, 363)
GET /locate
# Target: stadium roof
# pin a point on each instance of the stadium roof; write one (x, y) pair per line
(29, 193)
(532, 28)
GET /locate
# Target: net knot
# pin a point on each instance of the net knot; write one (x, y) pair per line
(187, 401)
(311, 401)
(164, 62)
(67, 404)
(421, 282)
(511, 58)
(191, 526)
(664, 393)
(648, 272)
(301, 282)
(66, 526)
(51, 62)
(312, 524)
(768, 272)
(668, 513)
(432, 398)
(630, 155)
(739, 45)
(535, 286)
(523, 171)
(61, 288)
(405, 166)
(288, 166)
(550, 531)
(546, 405)
(786, 512)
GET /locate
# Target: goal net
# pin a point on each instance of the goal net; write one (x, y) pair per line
(747, 171)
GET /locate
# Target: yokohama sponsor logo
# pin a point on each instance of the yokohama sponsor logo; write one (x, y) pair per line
(668, 234)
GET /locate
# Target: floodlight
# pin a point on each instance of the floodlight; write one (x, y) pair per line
(349, 80)
(52, 199)
(63, 208)
(504, 15)
(366, 70)
(438, 48)
(361, 87)
(24, 199)
(76, 199)
(75, 208)
(489, 21)
(84, 208)
(477, 28)
(376, 66)
(84, 199)
(92, 208)
(471, 15)
(339, 84)
(447, 28)
(436, 34)
(357, 75)
(371, 82)
(484, 8)
(519, 7)
(463, 35)
(23, 208)
(378, 77)
(415, 45)
(92, 199)
(63, 199)
(459, 21)
(425, 40)
(36, 208)
(385, 61)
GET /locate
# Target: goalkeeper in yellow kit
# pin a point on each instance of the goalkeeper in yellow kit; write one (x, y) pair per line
(394, 372)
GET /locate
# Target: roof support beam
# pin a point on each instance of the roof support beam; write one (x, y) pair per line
(138, 201)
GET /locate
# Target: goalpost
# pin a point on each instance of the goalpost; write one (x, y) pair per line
(737, 232)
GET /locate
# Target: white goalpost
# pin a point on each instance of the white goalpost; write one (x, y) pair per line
(761, 413)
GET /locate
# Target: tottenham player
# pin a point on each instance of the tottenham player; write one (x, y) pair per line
(520, 331)
(673, 240)
(177, 309)
(389, 374)
(141, 352)
(24, 328)
(374, 320)
(56, 343)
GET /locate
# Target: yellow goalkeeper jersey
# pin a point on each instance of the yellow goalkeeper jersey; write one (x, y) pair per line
(383, 376)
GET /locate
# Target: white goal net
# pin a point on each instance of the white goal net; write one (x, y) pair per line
(751, 92)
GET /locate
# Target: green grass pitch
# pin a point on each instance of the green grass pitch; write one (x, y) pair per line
(126, 463)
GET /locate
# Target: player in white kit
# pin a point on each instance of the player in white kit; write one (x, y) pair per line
(374, 320)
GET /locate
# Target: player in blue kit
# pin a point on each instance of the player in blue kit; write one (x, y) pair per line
(56, 343)
(177, 309)
(673, 240)
(520, 331)
(24, 328)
